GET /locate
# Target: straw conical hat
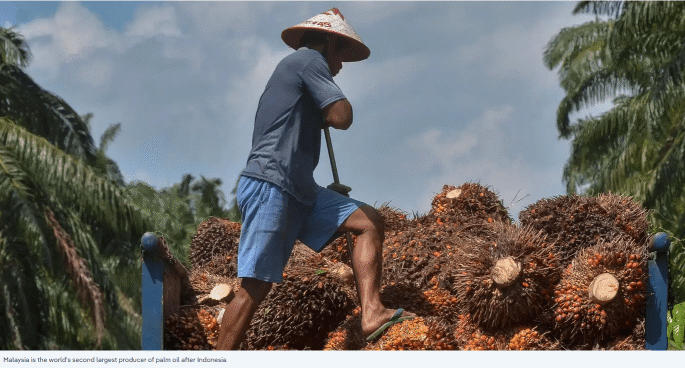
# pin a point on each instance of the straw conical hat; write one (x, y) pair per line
(330, 21)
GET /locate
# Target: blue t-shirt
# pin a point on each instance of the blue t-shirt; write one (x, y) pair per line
(286, 141)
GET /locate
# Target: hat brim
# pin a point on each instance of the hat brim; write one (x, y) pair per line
(352, 51)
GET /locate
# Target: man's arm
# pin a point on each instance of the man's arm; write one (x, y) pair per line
(338, 114)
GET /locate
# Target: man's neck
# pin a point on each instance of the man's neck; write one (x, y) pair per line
(319, 48)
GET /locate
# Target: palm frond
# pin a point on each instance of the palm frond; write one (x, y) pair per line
(68, 330)
(108, 136)
(13, 49)
(669, 178)
(66, 178)
(43, 113)
(88, 292)
(594, 89)
(575, 44)
(13, 179)
(608, 8)
(88, 248)
(20, 300)
(643, 16)
(10, 322)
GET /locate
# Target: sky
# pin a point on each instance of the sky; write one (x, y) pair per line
(453, 92)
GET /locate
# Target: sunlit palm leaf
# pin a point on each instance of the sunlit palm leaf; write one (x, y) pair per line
(13, 179)
(43, 113)
(70, 180)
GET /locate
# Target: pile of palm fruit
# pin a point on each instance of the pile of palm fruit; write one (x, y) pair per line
(570, 275)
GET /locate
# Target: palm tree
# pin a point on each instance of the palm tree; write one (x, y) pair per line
(70, 226)
(39, 111)
(51, 202)
(633, 53)
(636, 56)
(13, 49)
(67, 231)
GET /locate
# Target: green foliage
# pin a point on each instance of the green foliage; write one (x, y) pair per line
(58, 224)
(676, 327)
(677, 271)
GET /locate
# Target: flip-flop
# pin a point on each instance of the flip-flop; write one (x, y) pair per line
(396, 318)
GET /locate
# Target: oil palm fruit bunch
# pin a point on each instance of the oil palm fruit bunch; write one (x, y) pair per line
(628, 215)
(602, 293)
(347, 336)
(394, 220)
(464, 328)
(406, 335)
(633, 341)
(508, 281)
(304, 261)
(482, 340)
(418, 255)
(575, 222)
(467, 207)
(442, 303)
(300, 312)
(470, 336)
(530, 338)
(440, 335)
(202, 280)
(421, 333)
(338, 250)
(191, 328)
(215, 245)
(407, 296)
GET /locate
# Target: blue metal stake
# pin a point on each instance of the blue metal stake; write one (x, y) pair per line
(153, 294)
(657, 299)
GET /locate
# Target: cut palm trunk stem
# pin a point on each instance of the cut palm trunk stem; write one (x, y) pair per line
(506, 271)
(603, 288)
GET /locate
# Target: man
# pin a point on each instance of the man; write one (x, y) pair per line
(277, 195)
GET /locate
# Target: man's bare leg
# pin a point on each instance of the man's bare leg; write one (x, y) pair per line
(367, 264)
(240, 311)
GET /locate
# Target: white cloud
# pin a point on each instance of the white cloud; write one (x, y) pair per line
(212, 19)
(72, 34)
(481, 140)
(514, 51)
(442, 148)
(151, 21)
(96, 72)
(380, 79)
(366, 14)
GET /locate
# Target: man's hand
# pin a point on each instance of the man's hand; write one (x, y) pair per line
(339, 188)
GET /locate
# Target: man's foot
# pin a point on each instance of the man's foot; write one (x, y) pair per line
(377, 326)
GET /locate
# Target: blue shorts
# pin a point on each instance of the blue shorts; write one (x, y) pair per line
(273, 219)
